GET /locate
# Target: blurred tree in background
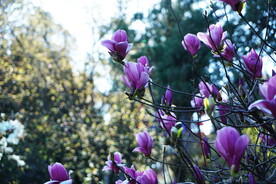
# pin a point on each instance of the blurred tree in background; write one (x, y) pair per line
(61, 110)
(55, 105)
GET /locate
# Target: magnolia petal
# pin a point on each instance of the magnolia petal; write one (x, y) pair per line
(220, 149)
(126, 81)
(241, 145)
(118, 157)
(106, 168)
(262, 105)
(121, 48)
(120, 36)
(58, 172)
(140, 149)
(110, 44)
(129, 47)
(205, 39)
(144, 78)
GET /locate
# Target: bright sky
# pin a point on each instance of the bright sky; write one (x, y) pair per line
(82, 19)
(79, 17)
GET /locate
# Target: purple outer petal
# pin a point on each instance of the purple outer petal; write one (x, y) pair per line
(268, 89)
(199, 175)
(110, 44)
(144, 78)
(205, 39)
(262, 105)
(121, 48)
(129, 47)
(140, 149)
(106, 168)
(118, 157)
(126, 81)
(240, 148)
(168, 95)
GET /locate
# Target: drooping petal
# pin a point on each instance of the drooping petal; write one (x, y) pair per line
(205, 39)
(262, 105)
(110, 44)
(140, 149)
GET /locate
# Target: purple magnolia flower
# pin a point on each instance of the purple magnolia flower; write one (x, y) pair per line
(228, 52)
(266, 139)
(148, 177)
(231, 146)
(235, 4)
(167, 99)
(118, 46)
(58, 174)
(191, 43)
(268, 91)
(168, 120)
(253, 63)
(145, 62)
(207, 90)
(206, 147)
(144, 142)
(198, 175)
(214, 37)
(137, 76)
(222, 112)
(112, 164)
(197, 101)
(144, 177)
(251, 179)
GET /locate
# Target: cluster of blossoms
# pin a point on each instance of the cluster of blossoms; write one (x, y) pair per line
(229, 144)
(235, 111)
(114, 163)
(223, 48)
(118, 46)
